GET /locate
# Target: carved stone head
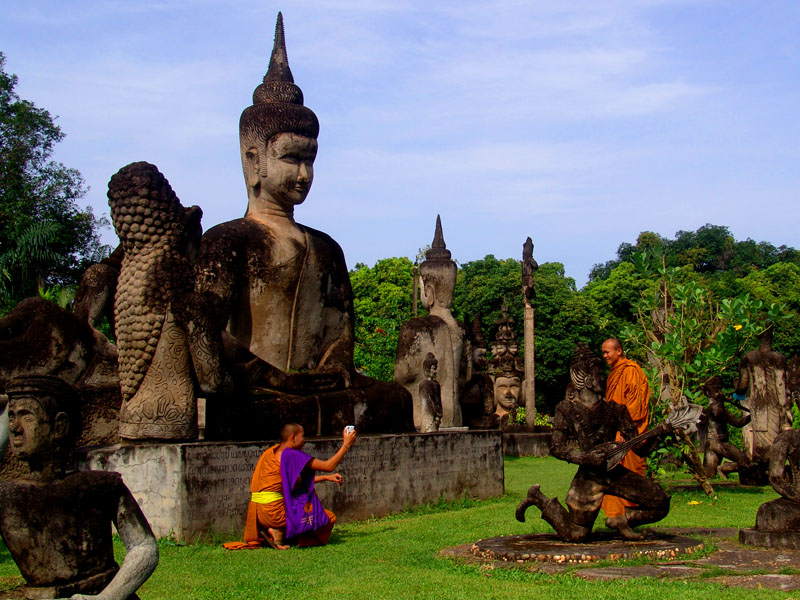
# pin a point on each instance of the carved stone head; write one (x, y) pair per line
(438, 273)
(42, 413)
(275, 124)
(585, 370)
(430, 365)
(713, 389)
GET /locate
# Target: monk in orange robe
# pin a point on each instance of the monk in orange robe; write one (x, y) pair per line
(626, 385)
(266, 513)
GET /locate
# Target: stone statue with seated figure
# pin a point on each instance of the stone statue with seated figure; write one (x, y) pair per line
(57, 523)
(282, 290)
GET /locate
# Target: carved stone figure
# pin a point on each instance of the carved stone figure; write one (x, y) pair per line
(438, 333)
(584, 429)
(282, 290)
(778, 521)
(762, 375)
(508, 370)
(430, 395)
(57, 524)
(718, 445)
(167, 346)
(478, 406)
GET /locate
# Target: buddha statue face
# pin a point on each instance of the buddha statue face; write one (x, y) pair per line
(32, 432)
(506, 393)
(282, 170)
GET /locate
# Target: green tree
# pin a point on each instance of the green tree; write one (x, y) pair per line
(382, 303)
(35, 189)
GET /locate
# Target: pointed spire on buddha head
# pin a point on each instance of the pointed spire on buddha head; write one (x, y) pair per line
(438, 272)
(277, 103)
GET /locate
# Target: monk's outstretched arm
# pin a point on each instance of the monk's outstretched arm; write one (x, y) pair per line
(348, 439)
(141, 549)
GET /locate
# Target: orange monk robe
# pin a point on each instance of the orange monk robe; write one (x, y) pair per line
(627, 385)
(260, 516)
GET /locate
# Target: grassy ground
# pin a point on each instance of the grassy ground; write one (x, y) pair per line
(397, 556)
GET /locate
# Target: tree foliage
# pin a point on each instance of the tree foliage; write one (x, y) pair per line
(35, 190)
(382, 301)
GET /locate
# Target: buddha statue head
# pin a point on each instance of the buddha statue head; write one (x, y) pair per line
(585, 371)
(278, 137)
(42, 426)
(438, 273)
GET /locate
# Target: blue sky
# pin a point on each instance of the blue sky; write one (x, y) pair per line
(578, 123)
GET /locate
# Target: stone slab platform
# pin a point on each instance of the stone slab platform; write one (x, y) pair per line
(789, 540)
(547, 547)
(193, 490)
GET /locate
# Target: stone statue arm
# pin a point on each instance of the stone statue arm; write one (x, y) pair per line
(141, 552)
(3, 424)
(737, 421)
(628, 429)
(564, 446)
(743, 382)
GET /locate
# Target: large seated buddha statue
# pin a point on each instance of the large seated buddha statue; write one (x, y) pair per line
(282, 290)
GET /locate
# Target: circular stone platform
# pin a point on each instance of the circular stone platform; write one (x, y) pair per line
(547, 547)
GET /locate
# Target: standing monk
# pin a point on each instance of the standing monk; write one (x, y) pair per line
(626, 385)
(283, 504)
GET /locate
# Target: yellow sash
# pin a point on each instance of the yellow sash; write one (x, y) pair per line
(265, 497)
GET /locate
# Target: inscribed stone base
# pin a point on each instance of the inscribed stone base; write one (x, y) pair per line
(193, 490)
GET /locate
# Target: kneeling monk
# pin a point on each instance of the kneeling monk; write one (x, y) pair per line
(283, 504)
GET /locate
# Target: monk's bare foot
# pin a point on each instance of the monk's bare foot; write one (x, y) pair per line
(620, 523)
(535, 498)
(275, 539)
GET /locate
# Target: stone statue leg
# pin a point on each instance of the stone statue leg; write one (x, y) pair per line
(652, 500)
(733, 453)
(710, 462)
(571, 526)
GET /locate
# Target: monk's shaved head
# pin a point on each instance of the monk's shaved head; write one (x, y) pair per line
(612, 351)
(289, 430)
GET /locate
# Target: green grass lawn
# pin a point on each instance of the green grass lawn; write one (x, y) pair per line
(397, 556)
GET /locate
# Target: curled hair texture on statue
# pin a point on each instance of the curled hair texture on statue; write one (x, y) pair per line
(584, 363)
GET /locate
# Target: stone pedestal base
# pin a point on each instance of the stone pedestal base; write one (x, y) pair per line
(789, 540)
(777, 526)
(192, 490)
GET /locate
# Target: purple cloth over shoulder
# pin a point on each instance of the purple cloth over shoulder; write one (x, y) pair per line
(304, 512)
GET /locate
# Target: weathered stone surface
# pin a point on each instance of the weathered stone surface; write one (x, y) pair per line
(789, 540)
(762, 376)
(193, 489)
(773, 581)
(526, 443)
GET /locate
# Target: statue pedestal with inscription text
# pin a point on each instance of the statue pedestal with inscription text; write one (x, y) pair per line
(193, 490)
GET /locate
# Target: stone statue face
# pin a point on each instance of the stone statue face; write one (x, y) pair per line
(31, 432)
(430, 372)
(506, 392)
(288, 168)
(479, 358)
